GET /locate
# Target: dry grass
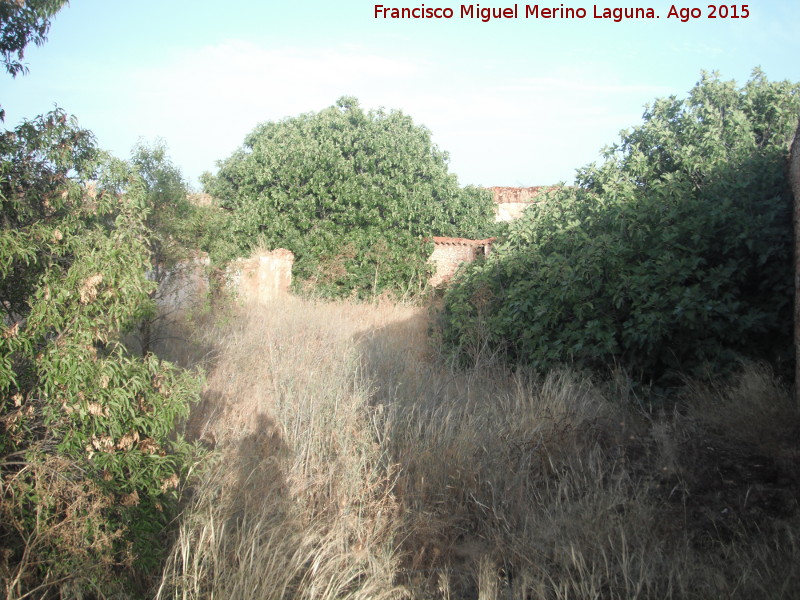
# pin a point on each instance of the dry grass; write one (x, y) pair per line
(350, 462)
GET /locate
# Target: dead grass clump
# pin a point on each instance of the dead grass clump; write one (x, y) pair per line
(70, 545)
(754, 408)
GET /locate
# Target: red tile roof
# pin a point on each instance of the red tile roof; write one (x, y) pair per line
(451, 241)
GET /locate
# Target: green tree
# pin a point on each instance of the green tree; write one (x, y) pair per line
(353, 194)
(674, 254)
(89, 465)
(20, 24)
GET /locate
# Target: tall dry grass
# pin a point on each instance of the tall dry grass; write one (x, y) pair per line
(351, 462)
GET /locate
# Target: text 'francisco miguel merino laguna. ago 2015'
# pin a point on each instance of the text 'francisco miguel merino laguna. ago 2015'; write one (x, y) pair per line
(536, 11)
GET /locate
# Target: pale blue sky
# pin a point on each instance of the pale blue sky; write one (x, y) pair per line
(515, 102)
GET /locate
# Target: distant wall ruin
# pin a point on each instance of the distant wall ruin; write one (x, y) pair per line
(263, 277)
(511, 202)
(449, 253)
(266, 276)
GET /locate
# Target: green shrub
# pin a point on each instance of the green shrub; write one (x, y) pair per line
(675, 254)
(90, 468)
(352, 193)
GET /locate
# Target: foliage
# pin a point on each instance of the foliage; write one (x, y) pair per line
(673, 254)
(20, 24)
(89, 465)
(352, 193)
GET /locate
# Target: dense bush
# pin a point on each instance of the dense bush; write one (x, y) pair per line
(673, 254)
(352, 193)
(88, 461)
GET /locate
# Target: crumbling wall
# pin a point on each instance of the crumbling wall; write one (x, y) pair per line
(515, 195)
(263, 277)
(450, 253)
(511, 202)
(186, 284)
(509, 211)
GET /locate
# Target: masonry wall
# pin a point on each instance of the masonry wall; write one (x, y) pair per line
(509, 211)
(511, 202)
(447, 259)
(514, 195)
(449, 253)
(186, 284)
(263, 277)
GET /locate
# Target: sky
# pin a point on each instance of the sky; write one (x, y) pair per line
(514, 101)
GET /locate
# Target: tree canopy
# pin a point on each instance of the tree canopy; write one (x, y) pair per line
(22, 23)
(352, 193)
(674, 254)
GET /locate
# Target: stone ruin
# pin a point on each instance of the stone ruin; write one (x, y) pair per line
(185, 286)
(511, 202)
(263, 277)
(449, 253)
(259, 279)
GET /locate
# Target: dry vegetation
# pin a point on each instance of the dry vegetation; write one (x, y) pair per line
(350, 462)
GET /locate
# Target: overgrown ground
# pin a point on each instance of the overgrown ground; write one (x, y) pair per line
(351, 462)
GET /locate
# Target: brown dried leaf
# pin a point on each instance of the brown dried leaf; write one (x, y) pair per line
(103, 443)
(89, 288)
(170, 482)
(128, 440)
(131, 499)
(149, 446)
(98, 410)
(12, 331)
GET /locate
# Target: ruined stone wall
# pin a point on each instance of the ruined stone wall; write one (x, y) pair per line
(185, 285)
(263, 277)
(511, 202)
(515, 195)
(509, 211)
(260, 278)
(450, 253)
